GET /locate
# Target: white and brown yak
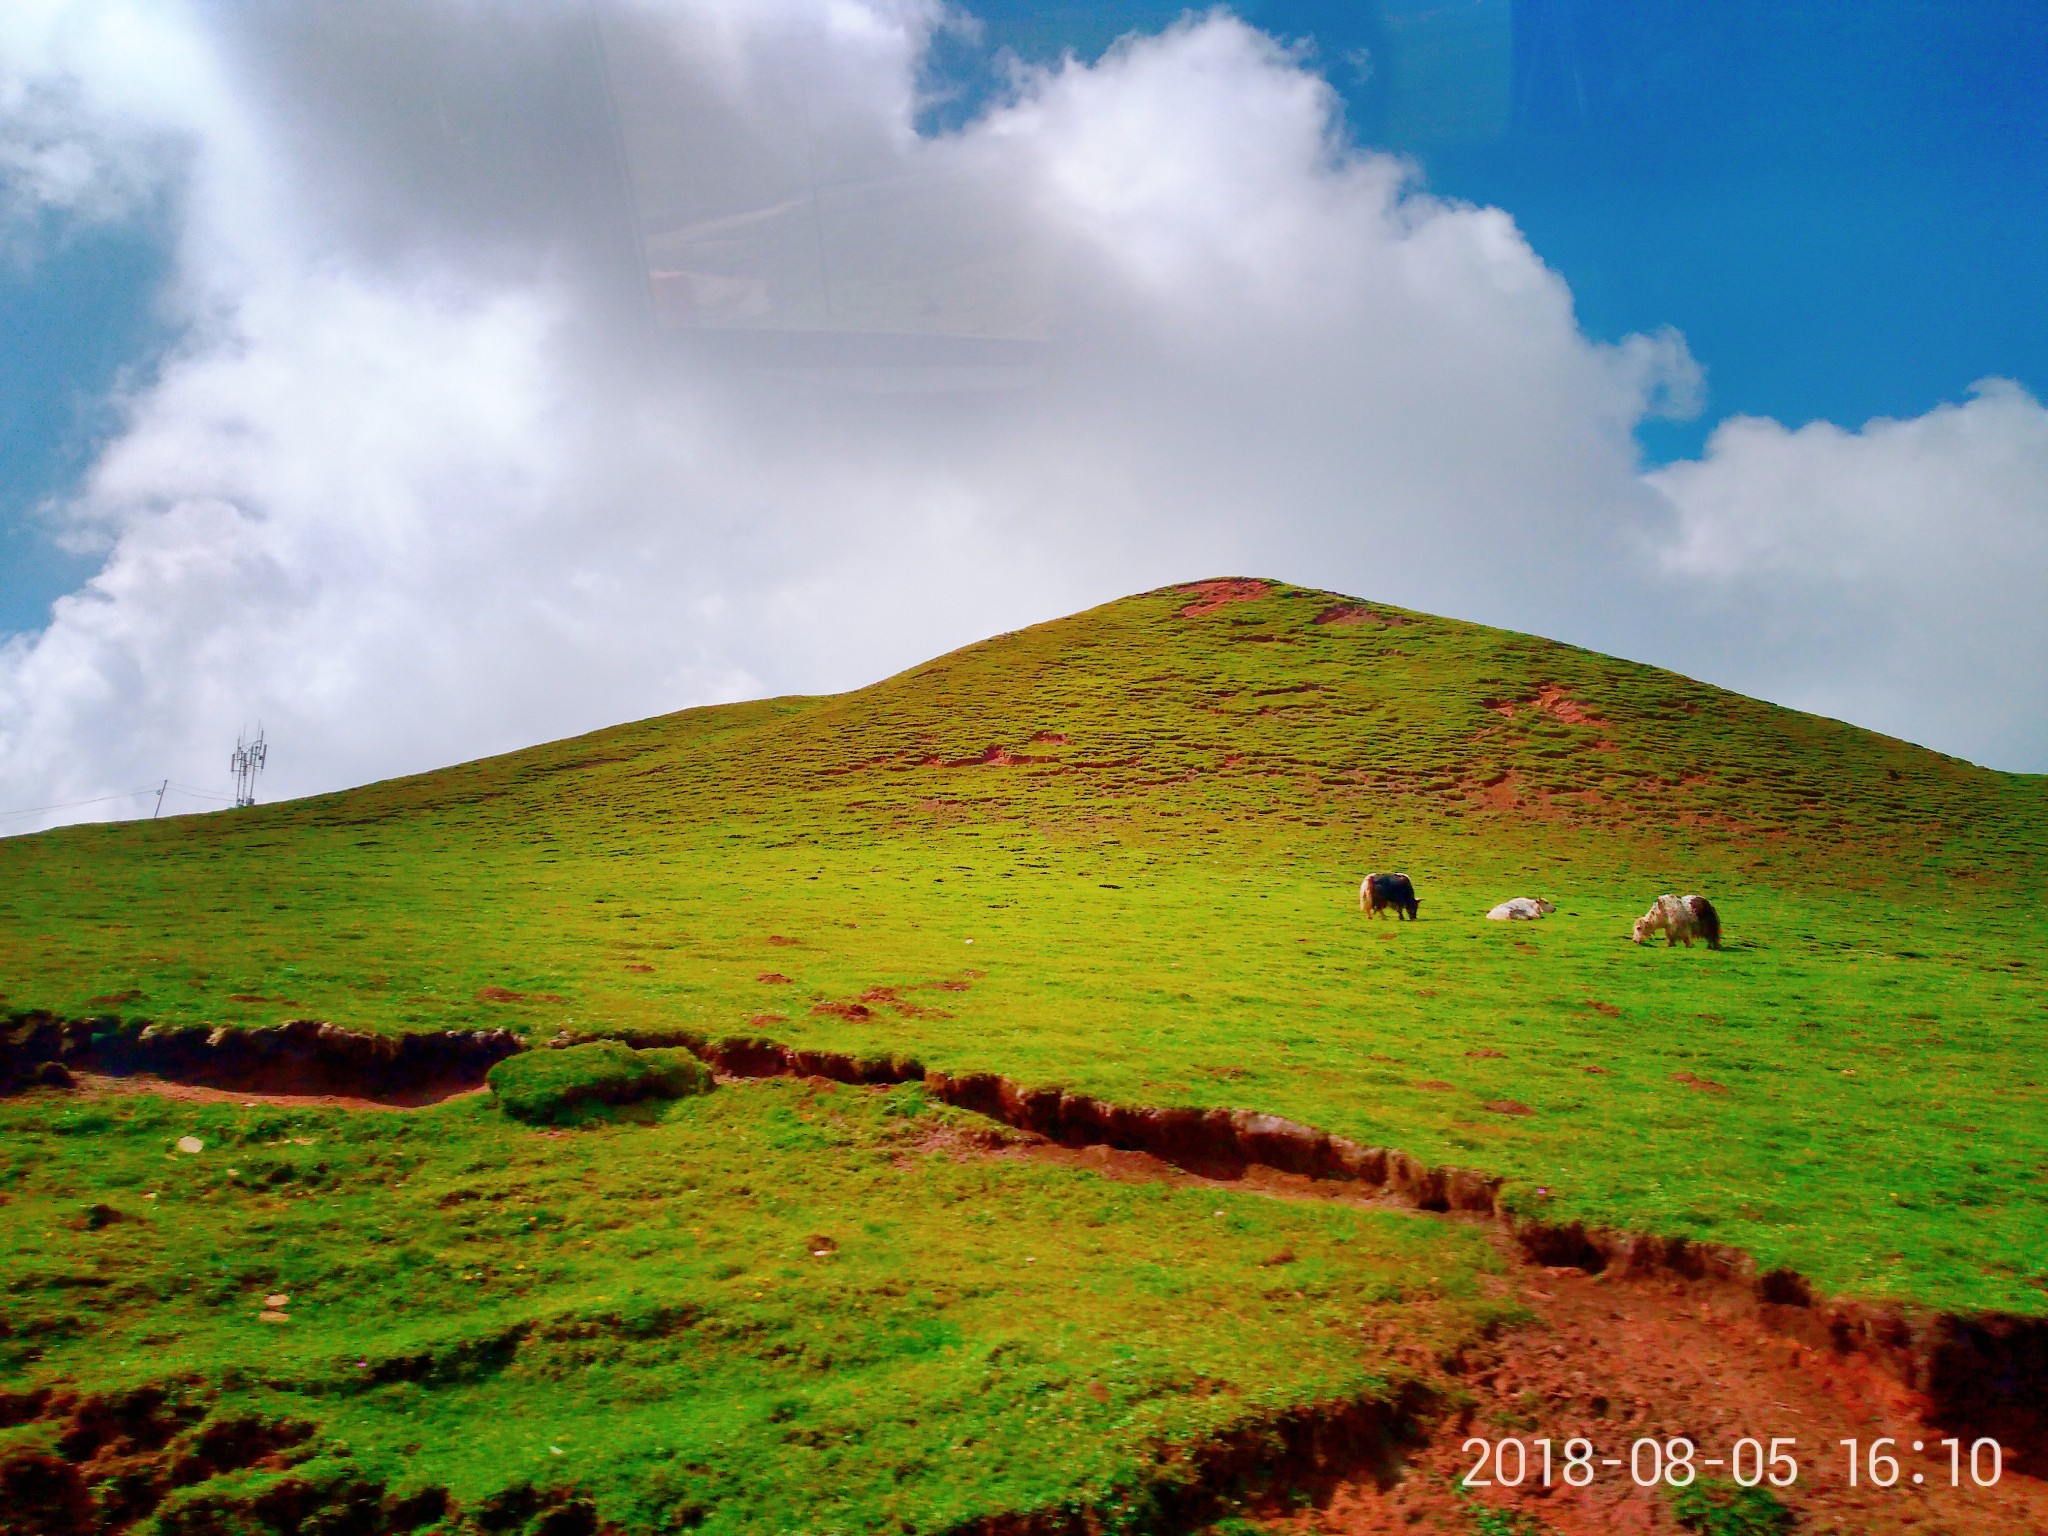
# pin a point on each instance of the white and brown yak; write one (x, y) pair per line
(1680, 919)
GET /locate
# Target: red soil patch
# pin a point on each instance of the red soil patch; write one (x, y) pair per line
(1051, 738)
(773, 978)
(115, 999)
(642, 969)
(1599, 1071)
(879, 995)
(1559, 705)
(994, 757)
(844, 1010)
(1501, 793)
(782, 939)
(1509, 1107)
(1358, 613)
(1210, 595)
(1437, 1086)
(94, 1083)
(257, 997)
(507, 995)
(1555, 702)
(1608, 1009)
(1484, 1053)
(1703, 1084)
(1617, 1361)
(767, 1018)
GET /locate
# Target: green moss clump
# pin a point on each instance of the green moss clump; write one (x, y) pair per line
(1716, 1508)
(545, 1087)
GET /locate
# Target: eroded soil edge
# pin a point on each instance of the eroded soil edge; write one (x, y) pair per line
(1970, 1374)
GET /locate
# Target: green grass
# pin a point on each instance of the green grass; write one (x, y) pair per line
(1161, 908)
(574, 1082)
(779, 1307)
(1716, 1507)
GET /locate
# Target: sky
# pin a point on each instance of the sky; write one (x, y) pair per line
(422, 380)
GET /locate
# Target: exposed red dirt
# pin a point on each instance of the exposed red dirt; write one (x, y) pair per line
(1502, 792)
(95, 1083)
(114, 999)
(1559, 705)
(642, 969)
(782, 939)
(1358, 613)
(993, 757)
(1555, 702)
(1051, 738)
(844, 1010)
(507, 995)
(1509, 1107)
(1614, 1362)
(1703, 1084)
(773, 978)
(1208, 596)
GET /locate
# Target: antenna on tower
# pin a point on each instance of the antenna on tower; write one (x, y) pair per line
(247, 763)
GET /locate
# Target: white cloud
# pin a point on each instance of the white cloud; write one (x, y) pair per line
(419, 485)
(1892, 575)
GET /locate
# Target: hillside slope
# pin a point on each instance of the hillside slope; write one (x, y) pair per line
(1120, 852)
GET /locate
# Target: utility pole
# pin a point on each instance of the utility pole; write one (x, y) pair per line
(247, 763)
(160, 800)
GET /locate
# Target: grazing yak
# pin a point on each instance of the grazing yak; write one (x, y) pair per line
(1379, 892)
(1522, 909)
(1680, 919)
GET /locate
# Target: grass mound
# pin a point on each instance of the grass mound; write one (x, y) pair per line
(549, 1086)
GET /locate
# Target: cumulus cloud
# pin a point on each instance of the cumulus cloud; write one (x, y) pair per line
(1892, 575)
(426, 479)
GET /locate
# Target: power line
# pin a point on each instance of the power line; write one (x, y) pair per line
(204, 794)
(74, 804)
(133, 794)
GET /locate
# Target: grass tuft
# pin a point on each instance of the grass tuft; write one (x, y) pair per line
(548, 1086)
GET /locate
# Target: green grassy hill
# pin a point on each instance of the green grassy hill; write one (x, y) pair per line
(1118, 853)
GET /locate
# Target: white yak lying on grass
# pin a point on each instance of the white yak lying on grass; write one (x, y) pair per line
(1522, 909)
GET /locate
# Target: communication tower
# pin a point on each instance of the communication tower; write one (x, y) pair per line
(247, 763)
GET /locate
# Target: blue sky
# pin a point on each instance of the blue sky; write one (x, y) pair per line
(372, 399)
